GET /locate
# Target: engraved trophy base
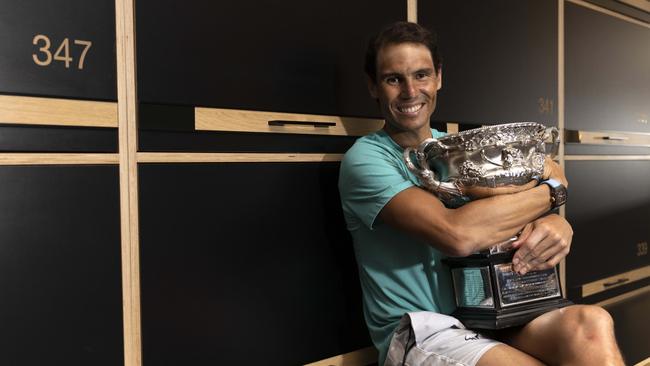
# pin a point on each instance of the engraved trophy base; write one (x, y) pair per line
(490, 295)
(506, 318)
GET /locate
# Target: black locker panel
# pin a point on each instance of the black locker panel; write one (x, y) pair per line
(607, 77)
(23, 138)
(287, 56)
(608, 207)
(246, 264)
(242, 142)
(58, 48)
(60, 268)
(499, 60)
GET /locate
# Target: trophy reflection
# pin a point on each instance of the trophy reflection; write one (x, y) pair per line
(479, 163)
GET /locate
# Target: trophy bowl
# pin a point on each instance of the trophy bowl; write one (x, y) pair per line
(483, 161)
(478, 163)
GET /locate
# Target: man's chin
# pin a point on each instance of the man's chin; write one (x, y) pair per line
(412, 124)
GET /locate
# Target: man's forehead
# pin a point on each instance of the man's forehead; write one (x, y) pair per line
(404, 56)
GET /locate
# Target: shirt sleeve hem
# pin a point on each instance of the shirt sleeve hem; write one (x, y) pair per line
(389, 194)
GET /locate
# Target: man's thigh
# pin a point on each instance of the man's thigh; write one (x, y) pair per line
(431, 339)
(504, 355)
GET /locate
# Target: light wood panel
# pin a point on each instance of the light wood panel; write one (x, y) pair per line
(412, 10)
(623, 297)
(641, 4)
(234, 157)
(127, 117)
(615, 281)
(362, 357)
(645, 362)
(608, 138)
(57, 159)
(452, 128)
(58, 112)
(216, 119)
(609, 12)
(606, 157)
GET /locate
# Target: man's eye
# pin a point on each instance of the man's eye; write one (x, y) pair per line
(392, 80)
(421, 75)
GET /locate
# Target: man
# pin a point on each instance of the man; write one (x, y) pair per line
(401, 232)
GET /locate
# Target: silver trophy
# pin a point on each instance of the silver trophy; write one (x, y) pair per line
(474, 163)
(479, 163)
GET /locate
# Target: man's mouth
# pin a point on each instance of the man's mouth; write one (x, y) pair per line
(410, 109)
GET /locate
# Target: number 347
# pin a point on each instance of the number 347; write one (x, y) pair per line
(62, 53)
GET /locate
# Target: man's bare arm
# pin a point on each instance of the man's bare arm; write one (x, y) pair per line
(476, 225)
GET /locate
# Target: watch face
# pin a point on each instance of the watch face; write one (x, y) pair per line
(560, 196)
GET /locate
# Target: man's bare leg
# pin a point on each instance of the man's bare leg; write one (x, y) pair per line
(575, 335)
(504, 355)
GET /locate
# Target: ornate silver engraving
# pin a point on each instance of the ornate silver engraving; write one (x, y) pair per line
(511, 156)
(469, 169)
(491, 156)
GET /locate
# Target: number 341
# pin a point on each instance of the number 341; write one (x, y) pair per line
(62, 52)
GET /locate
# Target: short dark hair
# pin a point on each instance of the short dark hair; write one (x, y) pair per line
(401, 32)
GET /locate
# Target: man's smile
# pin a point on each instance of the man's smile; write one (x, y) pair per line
(409, 108)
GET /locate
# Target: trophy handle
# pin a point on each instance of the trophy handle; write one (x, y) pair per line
(552, 137)
(407, 160)
(426, 175)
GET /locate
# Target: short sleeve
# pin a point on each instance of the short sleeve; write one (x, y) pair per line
(371, 174)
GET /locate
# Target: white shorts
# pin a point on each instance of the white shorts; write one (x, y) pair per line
(434, 339)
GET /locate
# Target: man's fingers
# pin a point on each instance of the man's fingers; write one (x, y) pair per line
(541, 261)
(558, 247)
(544, 247)
(523, 235)
(552, 262)
(533, 246)
(551, 256)
(538, 250)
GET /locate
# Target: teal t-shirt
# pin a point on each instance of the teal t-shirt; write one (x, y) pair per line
(398, 273)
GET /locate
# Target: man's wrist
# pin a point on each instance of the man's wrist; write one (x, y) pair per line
(558, 192)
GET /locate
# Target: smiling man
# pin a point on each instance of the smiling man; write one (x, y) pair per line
(406, 86)
(401, 232)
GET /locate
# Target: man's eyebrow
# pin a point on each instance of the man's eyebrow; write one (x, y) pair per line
(390, 74)
(427, 70)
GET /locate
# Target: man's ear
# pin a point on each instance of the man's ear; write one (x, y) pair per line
(372, 87)
(439, 77)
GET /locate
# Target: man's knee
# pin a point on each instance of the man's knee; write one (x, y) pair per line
(587, 322)
(588, 335)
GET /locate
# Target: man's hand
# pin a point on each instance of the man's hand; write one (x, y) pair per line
(542, 244)
(554, 171)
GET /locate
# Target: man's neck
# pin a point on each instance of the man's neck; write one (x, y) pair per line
(408, 138)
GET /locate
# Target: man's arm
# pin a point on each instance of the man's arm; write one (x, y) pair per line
(474, 226)
(479, 224)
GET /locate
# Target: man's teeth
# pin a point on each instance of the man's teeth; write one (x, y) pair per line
(411, 109)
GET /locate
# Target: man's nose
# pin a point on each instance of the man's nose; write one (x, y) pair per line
(408, 89)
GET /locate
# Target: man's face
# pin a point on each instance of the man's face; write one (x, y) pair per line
(406, 87)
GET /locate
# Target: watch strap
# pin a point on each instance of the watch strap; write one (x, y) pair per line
(558, 192)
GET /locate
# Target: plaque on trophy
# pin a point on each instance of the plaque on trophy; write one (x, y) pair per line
(475, 164)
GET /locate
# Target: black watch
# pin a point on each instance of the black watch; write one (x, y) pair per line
(558, 192)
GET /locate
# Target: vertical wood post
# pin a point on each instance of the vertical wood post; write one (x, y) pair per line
(127, 126)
